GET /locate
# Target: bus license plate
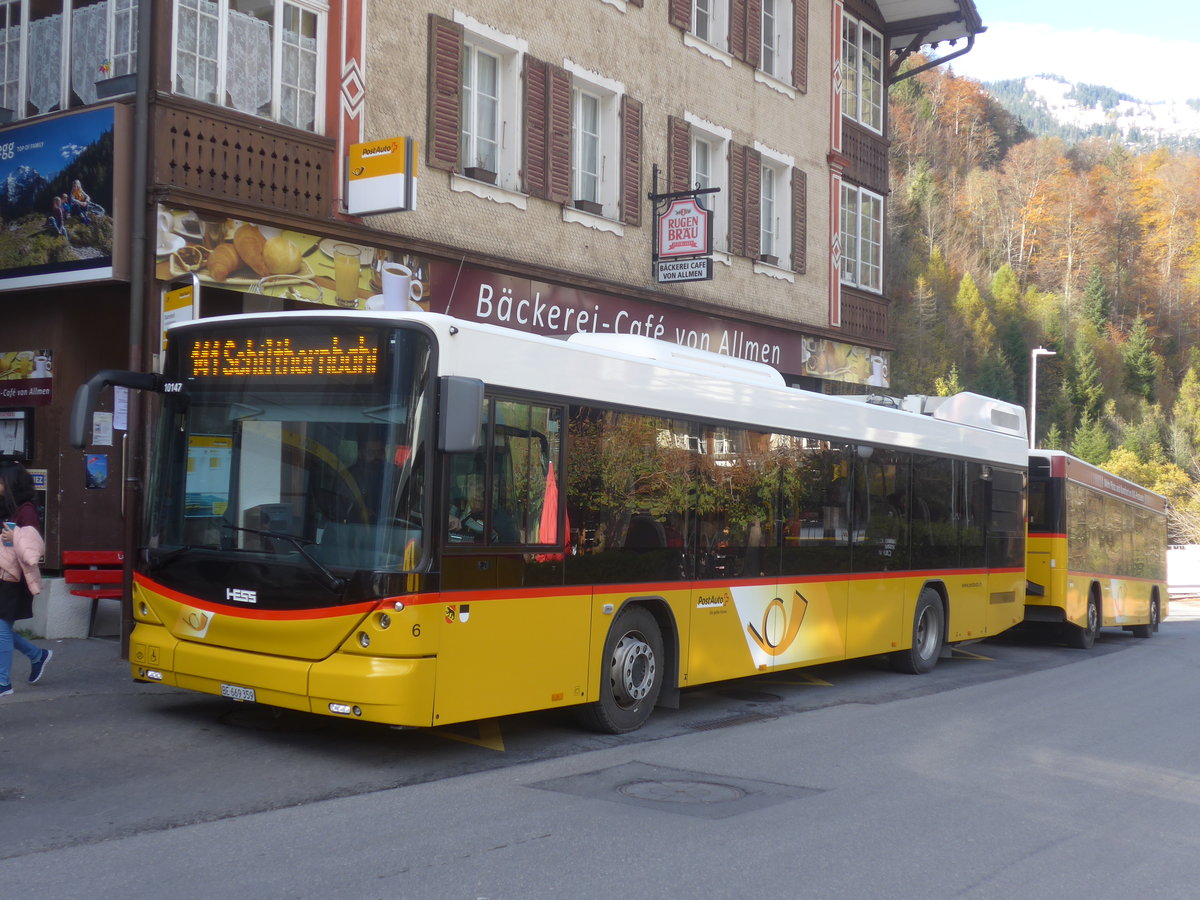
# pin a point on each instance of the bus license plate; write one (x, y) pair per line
(233, 692)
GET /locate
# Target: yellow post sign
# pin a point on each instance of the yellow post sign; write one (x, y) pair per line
(178, 305)
(382, 176)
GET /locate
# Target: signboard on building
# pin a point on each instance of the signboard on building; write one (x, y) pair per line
(684, 229)
(482, 295)
(58, 199)
(382, 177)
(671, 270)
(682, 240)
(26, 377)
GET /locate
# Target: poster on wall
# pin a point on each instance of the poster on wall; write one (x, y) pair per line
(256, 258)
(57, 200)
(26, 377)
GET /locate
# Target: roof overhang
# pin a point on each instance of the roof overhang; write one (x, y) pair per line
(917, 23)
(910, 25)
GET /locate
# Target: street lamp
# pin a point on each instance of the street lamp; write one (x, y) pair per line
(1033, 360)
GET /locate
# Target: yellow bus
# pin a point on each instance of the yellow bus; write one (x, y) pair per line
(1097, 551)
(410, 519)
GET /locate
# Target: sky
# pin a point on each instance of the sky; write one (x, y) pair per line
(1149, 49)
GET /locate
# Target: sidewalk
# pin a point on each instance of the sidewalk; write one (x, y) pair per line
(80, 666)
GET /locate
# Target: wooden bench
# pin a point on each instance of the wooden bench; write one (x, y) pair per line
(97, 574)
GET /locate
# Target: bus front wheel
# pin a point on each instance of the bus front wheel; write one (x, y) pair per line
(929, 626)
(630, 676)
(1083, 637)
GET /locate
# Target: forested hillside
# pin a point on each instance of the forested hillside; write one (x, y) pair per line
(1002, 242)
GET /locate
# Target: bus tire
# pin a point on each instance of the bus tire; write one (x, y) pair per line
(631, 674)
(929, 628)
(1082, 638)
(1147, 630)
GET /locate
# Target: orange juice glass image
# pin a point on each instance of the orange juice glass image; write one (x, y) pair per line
(346, 266)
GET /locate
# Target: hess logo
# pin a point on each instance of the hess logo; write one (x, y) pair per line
(239, 595)
(780, 624)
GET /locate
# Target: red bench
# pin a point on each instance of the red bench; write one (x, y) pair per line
(97, 574)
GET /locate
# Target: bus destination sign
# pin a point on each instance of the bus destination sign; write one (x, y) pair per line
(353, 356)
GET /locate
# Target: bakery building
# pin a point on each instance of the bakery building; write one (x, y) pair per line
(249, 156)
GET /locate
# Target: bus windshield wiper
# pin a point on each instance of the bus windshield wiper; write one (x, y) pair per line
(331, 581)
(158, 557)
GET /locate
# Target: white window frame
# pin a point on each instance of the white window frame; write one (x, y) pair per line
(710, 168)
(607, 95)
(777, 32)
(862, 73)
(15, 52)
(776, 235)
(507, 128)
(862, 220)
(278, 7)
(11, 93)
(480, 140)
(710, 22)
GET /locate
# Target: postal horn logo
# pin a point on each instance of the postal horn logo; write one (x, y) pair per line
(780, 624)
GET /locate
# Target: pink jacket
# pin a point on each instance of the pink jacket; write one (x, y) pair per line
(22, 557)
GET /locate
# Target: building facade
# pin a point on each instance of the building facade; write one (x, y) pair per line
(217, 146)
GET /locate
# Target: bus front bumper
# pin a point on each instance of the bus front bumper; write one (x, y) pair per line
(345, 685)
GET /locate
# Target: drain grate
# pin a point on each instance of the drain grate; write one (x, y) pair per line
(680, 791)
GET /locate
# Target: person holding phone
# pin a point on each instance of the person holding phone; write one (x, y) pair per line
(21, 546)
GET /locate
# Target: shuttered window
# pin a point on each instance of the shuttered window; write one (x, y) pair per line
(472, 104)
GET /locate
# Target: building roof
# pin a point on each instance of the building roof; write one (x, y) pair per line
(915, 23)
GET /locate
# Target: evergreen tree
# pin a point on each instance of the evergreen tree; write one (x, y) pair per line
(995, 379)
(1054, 438)
(1138, 356)
(979, 334)
(1097, 304)
(1090, 442)
(1086, 391)
(1006, 295)
(950, 385)
(1186, 418)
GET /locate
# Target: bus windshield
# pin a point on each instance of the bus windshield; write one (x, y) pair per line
(326, 474)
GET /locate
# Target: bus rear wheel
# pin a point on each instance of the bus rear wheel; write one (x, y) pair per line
(929, 626)
(1083, 637)
(1147, 630)
(630, 676)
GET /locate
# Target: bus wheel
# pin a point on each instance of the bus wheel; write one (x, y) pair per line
(929, 621)
(1084, 638)
(631, 676)
(1147, 630)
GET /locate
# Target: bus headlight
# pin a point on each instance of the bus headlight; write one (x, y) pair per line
(385, 620)
(364, 639)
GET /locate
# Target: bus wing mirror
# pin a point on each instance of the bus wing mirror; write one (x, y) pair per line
(85, 398)
(460, 425)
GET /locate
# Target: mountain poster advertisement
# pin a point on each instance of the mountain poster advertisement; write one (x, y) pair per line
(56, 200)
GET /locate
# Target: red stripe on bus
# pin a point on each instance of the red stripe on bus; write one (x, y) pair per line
(244, 612)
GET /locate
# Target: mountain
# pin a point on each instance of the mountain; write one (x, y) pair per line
(20, 190)
(1051, 106)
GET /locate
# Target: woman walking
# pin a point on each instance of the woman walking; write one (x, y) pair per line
(21, 546)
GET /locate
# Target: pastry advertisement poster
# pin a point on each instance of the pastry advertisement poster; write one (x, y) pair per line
(260, 258)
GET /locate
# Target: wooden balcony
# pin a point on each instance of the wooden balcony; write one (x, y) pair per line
(868, 156)
(865, 318)
(220, 155)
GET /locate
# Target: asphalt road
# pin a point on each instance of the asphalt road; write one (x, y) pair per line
(1017, 768)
